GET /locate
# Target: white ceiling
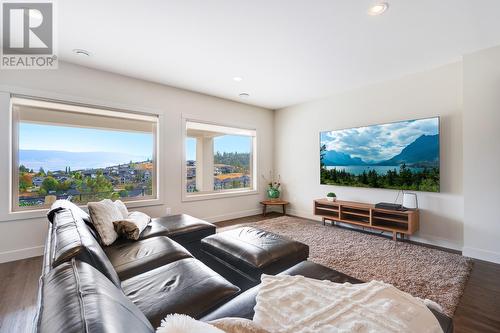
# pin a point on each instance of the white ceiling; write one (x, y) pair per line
(286, 51)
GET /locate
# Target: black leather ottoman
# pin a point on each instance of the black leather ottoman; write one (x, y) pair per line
(182, 228)
(251, 252)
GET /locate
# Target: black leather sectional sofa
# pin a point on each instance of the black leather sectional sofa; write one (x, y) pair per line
(131, 286)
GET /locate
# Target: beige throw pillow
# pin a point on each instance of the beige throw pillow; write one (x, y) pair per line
(102, 214)
(132, 226)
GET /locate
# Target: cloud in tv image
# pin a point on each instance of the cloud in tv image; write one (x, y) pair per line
(402, 155)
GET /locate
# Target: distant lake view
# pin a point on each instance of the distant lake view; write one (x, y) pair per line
(380, 169)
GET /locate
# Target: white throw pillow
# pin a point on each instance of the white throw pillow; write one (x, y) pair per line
(102, 214)
(179, 323)
(122, 208)
(133, 225)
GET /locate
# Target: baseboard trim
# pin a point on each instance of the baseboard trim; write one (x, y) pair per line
(230, 216)
(305, 215)
(437, 241)
(481, 254)
(21, 253)
(425, 239)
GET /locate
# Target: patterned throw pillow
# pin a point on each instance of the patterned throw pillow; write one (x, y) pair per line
(133, 225)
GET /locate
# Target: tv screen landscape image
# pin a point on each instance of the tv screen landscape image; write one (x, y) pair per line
(402, 155)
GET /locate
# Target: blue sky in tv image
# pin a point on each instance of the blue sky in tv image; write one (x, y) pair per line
(378, 144)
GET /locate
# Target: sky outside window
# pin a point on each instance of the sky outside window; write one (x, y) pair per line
(45, 145)
(224, 143)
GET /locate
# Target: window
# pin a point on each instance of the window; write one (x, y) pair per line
(63, 151)
(219, 159)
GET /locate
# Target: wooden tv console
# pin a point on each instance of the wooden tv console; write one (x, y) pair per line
(366, 215)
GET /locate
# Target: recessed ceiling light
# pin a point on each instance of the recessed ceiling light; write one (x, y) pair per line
(244, 95)
(378, 9)
(238, 78)
(81, 52)
(35, 14)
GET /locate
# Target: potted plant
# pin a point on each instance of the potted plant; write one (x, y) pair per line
(273, 188)
(331, 196)
(273, 191)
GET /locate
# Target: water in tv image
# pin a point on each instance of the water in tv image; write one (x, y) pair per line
(402, 155)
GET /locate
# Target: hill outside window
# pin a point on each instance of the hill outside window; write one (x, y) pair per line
(66, 151)
(219, 161)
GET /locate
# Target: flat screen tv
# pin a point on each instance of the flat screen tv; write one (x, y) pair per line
(401, 155)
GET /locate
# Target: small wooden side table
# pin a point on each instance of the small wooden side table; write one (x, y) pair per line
(266, 203)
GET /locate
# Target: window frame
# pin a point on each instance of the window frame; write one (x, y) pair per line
(187, 197)
(15, 209)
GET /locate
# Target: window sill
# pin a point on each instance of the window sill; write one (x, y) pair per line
(42, 212)
(217, 195)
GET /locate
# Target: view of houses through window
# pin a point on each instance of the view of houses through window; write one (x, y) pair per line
(218, 158)
(66, 161)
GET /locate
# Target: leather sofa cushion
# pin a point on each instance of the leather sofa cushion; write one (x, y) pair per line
(67, 242)
(255, 251)
(75, 297)
(243, 305)
(182, 228)
(185, 286)
(71, 238)
(132, 258)
(59, 205)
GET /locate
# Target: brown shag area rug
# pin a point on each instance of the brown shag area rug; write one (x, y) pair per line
(420, 271)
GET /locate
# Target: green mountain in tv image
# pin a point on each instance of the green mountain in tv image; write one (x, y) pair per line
(416, 167)
(423, 152)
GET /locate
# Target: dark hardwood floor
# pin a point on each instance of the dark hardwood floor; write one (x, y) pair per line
(479, 308)
(18, 294)
(478, 311)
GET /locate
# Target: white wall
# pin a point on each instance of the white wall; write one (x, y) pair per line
(21, 237)
(482, 154)
(434, 93)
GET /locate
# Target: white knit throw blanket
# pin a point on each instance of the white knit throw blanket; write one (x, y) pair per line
(298, 304)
